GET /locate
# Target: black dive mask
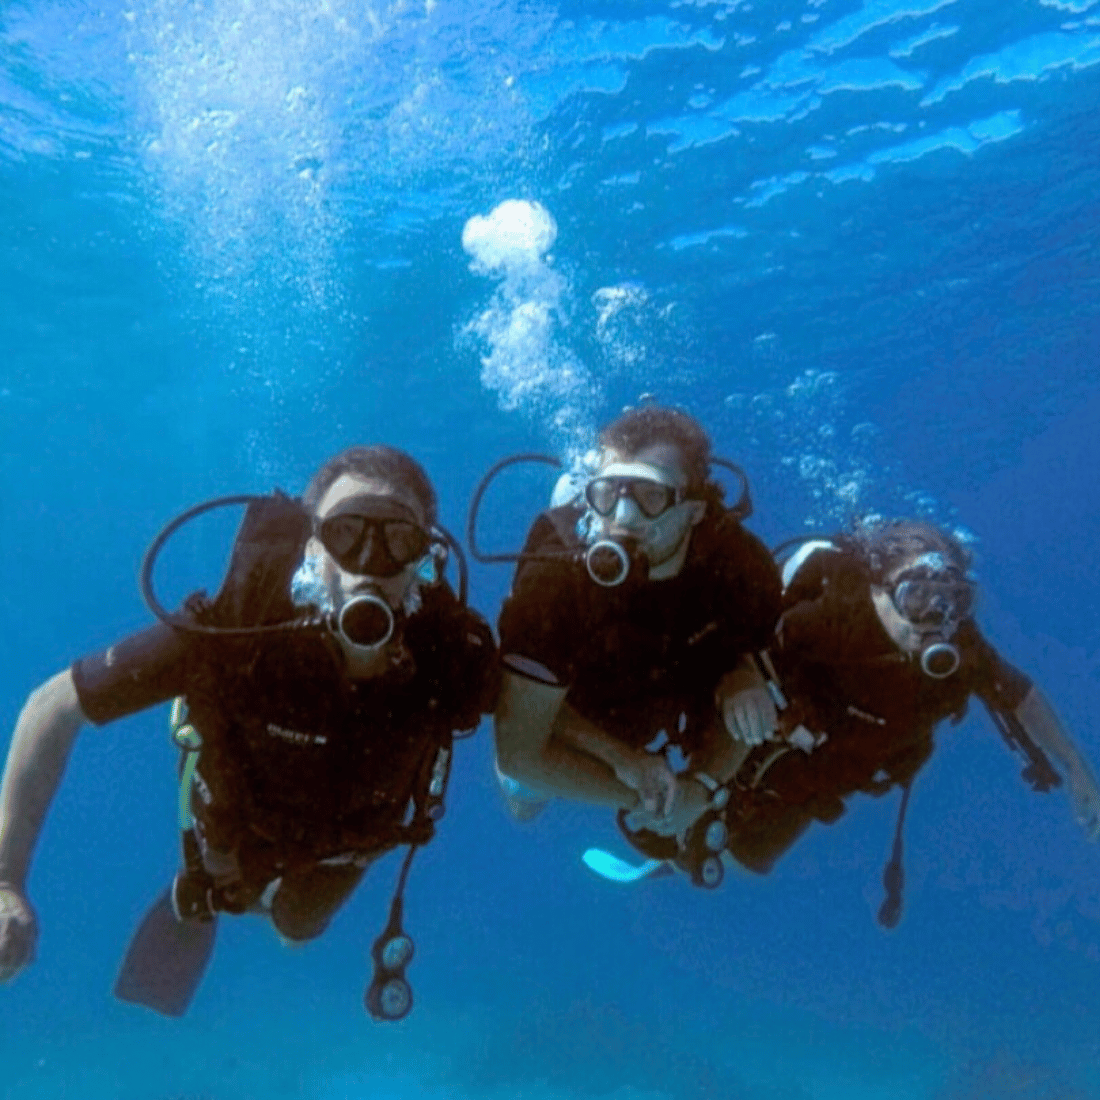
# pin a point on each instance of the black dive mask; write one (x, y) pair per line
(372, 536)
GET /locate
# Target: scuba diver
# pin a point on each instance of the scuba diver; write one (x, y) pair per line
(317, 699)
(625, 637)
(876, 646)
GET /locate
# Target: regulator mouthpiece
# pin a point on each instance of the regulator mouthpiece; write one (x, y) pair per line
(366, 621)
(939, 660)
(608, 563)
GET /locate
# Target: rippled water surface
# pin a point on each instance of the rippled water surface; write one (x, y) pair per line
(859, 240)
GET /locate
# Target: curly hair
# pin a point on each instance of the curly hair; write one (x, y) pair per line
(884, 544)
(377, 461)
(638, 428)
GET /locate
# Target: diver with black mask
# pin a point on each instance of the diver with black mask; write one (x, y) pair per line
(317, 700)
(635, 602)
(877, 645)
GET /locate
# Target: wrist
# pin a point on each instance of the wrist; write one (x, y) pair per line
(715, 794)
(741, 678)
(12, 876)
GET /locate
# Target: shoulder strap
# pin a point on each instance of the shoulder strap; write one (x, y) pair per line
(798, 559)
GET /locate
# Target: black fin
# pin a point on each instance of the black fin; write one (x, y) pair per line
(166, 960)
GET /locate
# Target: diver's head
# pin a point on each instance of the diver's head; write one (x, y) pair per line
(372, 510)
(920, 588)
(650, 486)
(379, 463)
(647, 425)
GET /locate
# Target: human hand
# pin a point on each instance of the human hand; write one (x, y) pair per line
(1085, 800)
(652, 779)
(690, 801)
(750, 715)
(18, 932)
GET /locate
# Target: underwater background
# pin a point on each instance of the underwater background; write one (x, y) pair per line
(859, 239)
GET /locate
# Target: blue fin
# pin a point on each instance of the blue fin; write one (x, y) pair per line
(618, 870)
(166, 960)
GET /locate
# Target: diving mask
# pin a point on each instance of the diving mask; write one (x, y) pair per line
(935, 597)
(610, 561)
(932, 593)
(372, 536)
(653, 498)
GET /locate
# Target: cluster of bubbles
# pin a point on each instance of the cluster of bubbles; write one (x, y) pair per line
(530, 331)
(803, 421)
(241, 141)
(526, 362)
(622, 325)
(840, 466)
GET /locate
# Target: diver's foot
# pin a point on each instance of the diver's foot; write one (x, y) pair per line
(192, 897)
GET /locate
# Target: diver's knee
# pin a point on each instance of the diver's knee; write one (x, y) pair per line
(296, 927)
(523, 803)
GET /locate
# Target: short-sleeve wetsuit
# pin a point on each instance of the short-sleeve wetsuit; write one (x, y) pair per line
(845, 678)
(644, 657)
(300, 763)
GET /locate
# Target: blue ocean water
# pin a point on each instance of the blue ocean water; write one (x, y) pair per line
(857, 238)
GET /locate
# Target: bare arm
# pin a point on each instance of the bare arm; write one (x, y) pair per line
(1042, 725)
(716, 761)
(720, 755)
(44, 736)
(537, 743)
(669, 803)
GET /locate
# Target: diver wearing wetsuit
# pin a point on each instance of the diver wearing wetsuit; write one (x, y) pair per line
(875, 648)
(322, 688)
(601, 664)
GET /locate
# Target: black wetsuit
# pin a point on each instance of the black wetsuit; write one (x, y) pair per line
(299, 763)
(644, 657)
(845, 678)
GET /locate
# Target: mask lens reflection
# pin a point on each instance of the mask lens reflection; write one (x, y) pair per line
(405, 541)
(652, 497)
(602, 495)
(341, 534)
(373, 547)
(932, 600)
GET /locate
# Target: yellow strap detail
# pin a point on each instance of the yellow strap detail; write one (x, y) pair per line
(188, 739)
